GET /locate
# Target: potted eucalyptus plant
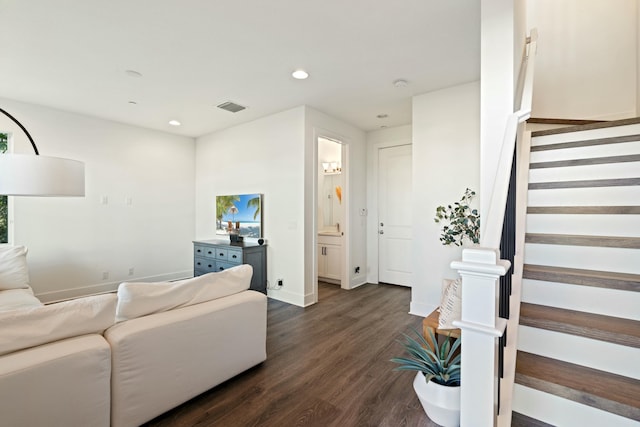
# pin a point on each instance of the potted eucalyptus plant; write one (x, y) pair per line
(460, 221)
(437, 381)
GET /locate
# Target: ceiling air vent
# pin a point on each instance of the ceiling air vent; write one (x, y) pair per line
(231, 106)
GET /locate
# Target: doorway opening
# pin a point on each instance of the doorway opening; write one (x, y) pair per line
(331, 237)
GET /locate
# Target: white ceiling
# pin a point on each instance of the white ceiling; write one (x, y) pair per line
(195, 54)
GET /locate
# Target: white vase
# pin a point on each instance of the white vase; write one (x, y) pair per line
(441, 403)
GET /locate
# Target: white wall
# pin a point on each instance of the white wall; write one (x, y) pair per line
(382, 138)
(276, 156)
(263, 156)
(72, 241)
(446, 148)
(586, 62)
(497, 84)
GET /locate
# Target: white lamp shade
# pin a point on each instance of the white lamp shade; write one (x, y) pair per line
(31, 175)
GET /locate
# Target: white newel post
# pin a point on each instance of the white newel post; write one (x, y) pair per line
(480, 270)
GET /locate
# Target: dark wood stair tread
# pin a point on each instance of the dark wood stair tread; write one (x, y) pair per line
(520, 420)
(581, 240)
(595, 326)
(588, 183)
(586, 162)
(575, 276)
(609, 392)
(556, 121)
(584, 210)
(587, 143)
(591, 126)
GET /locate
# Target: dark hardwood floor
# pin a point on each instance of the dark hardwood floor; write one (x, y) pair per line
(327, 365)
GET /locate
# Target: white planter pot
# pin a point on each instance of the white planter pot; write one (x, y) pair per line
(441, 403)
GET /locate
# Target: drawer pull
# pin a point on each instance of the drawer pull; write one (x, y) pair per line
(199, 263)
(234, 256)
(198, 250)
(210, 266)
(221, 268)
(209, 252)
(221, 254)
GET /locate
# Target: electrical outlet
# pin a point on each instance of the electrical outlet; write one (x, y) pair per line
(105, 275)
(280, 284)
(131, 271)
(357, 269)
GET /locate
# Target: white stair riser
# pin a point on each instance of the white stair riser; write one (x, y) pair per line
(601, 355)
(603, 150)
(583, 257)
(591, 225)
(588, 134)
(587, 172)
(608, 302)
(558, 411)
(599, 196)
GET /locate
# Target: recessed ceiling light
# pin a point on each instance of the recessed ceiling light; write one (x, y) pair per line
(133, 73)
(300, 74)
(133, 102)
(382, 116)
(400, 83)
(174, 123)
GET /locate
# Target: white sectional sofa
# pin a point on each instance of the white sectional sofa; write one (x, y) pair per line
(123, 359)
(162, 360)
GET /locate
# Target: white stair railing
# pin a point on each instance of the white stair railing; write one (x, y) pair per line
(480, 269)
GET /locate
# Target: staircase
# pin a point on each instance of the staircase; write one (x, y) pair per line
(578, 360)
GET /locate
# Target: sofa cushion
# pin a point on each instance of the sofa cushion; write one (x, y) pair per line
(13, 268)
(32, 326)
(18, 298)
(141, 299)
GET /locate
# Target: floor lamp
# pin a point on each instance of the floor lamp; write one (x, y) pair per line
(36, 175)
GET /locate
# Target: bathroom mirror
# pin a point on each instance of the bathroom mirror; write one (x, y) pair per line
(330, 185)
(331, 200)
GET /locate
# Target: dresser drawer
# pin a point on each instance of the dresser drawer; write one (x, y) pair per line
(234, 256)
(221, 253)
(204, 251)
(204, 264)
(223, 265)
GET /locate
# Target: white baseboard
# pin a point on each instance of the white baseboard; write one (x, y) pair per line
(421, 309)
(288, 297)
(357, 282)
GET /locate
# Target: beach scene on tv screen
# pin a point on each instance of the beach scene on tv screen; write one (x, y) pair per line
(244, 209)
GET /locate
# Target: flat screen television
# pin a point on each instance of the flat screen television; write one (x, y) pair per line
(239, 214)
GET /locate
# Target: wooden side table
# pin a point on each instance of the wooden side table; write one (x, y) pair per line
(431, 323)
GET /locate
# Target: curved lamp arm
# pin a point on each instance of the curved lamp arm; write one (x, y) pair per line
(33, 144)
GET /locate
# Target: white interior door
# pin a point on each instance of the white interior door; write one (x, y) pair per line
(394, 215)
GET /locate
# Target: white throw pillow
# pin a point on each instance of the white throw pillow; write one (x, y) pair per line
(32, 326)
(12, 299)
(450, 304)
(143, 298)
(13, 268)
